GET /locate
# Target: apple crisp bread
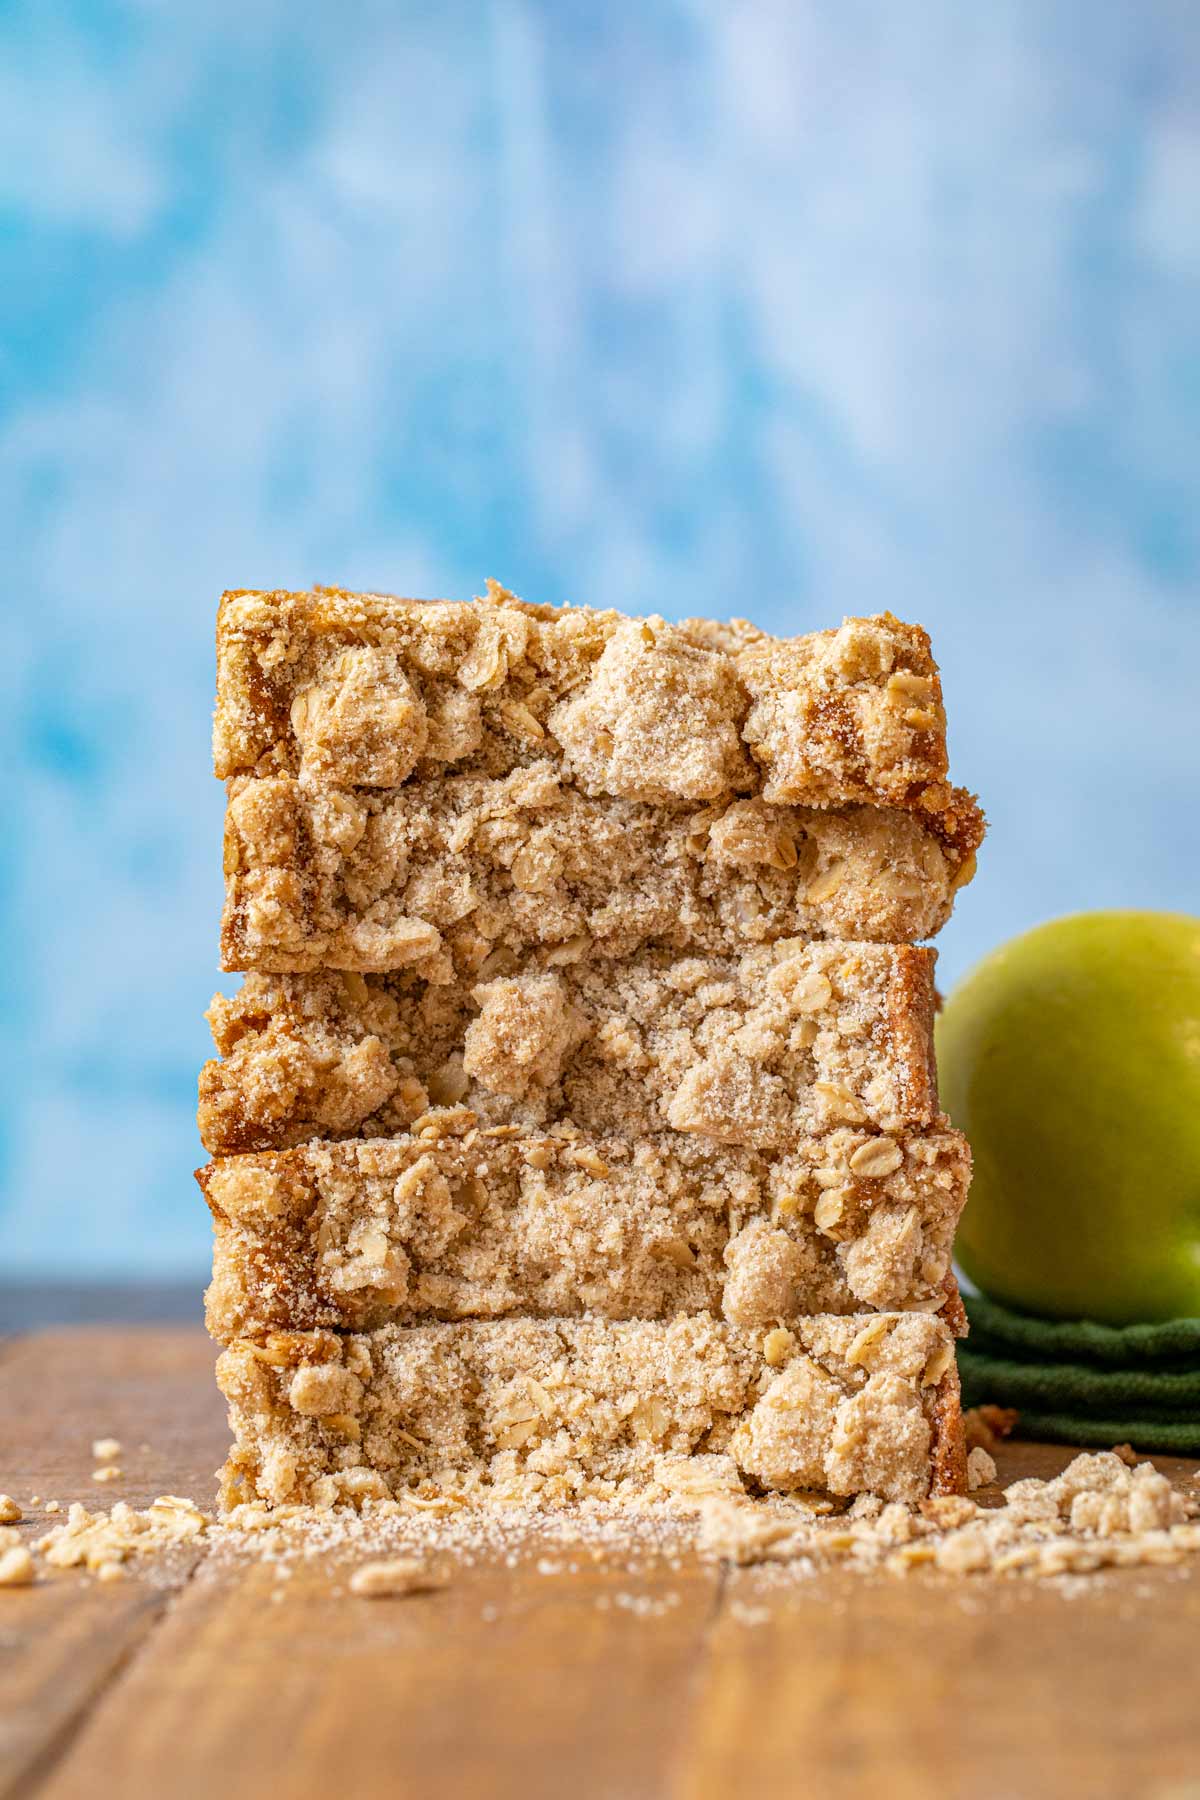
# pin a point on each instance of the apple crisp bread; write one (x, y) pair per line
(762, 1049)
(564, 1410)
(578, 1113)
(443, 873)
(359, 1234)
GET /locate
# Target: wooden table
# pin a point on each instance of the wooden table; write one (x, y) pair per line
(689, 1682)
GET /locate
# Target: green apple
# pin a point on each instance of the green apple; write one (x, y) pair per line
(1071, 1059)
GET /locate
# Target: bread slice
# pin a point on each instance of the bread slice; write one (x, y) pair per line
(360, 690)
(551, 1411)
(763, 1049)
(441, 873)
(359, 1234)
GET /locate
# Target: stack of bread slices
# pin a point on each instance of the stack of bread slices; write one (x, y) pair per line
(575, 1129)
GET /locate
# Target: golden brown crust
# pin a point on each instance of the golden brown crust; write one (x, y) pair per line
(953, 1312)
(911, 1008)
(948, 1467)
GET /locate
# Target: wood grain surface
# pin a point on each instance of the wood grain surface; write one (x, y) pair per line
(581, 1681)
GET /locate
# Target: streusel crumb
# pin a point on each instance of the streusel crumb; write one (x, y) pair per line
(1037, 1532)
(16, 1567)
(394, 1578)
(1097, 1514)
(96, 1540)
(981, 1468)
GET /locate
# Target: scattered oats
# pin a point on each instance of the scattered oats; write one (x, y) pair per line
(877, 1157)
(109, 1472)
(642, 1606)
(949, 1511)
(1127, 1454)
(90, 1539)
(10, 1512)
(868, 1339)
(742, 1531)
(1097, 1514)
(16, 1567)
(52, 1506)
(394, 1578)
(596, 1165)
(110, 1571)
(829, 1209)
(981, 1468)
(106, 1449)
(742, 1614)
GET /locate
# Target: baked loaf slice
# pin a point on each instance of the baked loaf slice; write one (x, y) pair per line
(358, 690)
(359, 1234)
(761, 1049)
(549, 1411)
(439, 874)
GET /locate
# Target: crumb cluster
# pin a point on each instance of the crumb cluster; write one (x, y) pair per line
(1099, 1513)
(1103, 1512)
(102, 1543)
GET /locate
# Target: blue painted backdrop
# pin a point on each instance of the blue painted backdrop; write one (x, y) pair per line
(782, 308)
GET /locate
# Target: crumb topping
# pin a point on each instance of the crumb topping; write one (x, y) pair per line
(361, 690)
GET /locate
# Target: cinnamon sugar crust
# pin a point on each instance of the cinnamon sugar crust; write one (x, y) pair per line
(363, 690)
(444, 872)
(783, 1042)
(468, 1225)
(534, 1410)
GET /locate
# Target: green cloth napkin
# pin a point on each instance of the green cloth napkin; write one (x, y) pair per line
(1077, 1382)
